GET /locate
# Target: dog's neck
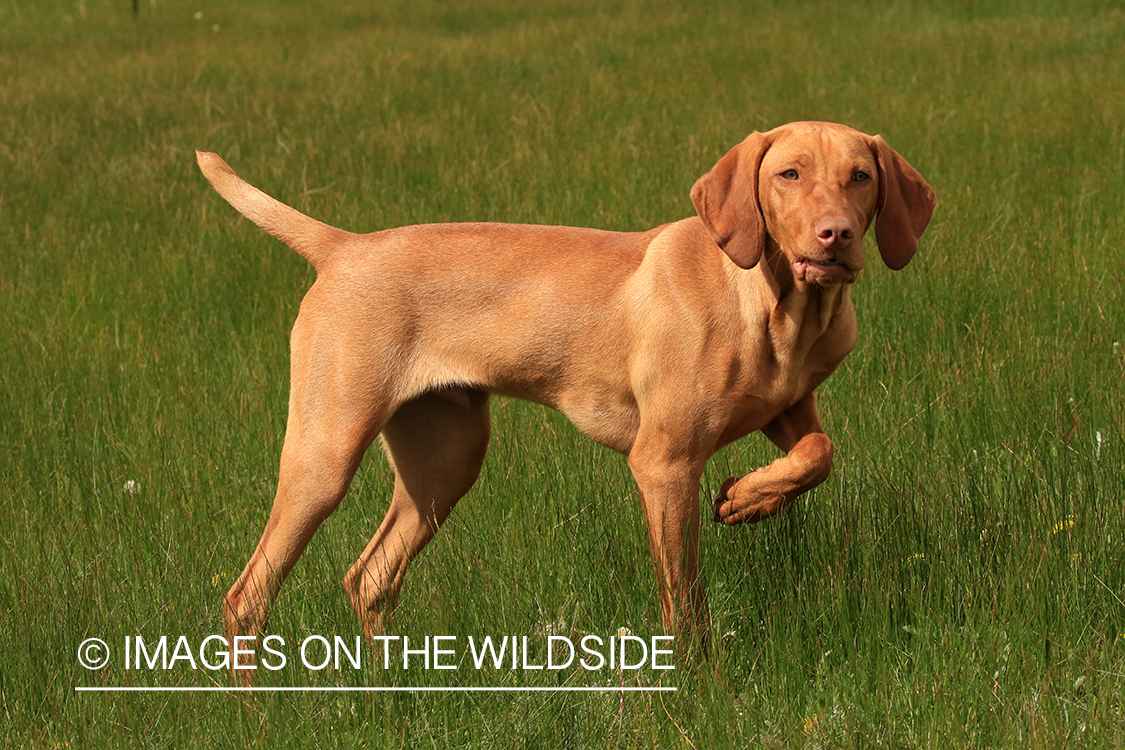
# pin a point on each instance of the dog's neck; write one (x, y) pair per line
(802, 312)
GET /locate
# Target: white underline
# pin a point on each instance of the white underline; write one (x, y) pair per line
(419, 689)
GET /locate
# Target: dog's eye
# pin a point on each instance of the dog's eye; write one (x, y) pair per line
(789, 174)
(861, 177)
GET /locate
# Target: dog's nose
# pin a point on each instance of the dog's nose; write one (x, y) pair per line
(834, 232)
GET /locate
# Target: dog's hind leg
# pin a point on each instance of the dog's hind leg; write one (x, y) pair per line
(436, 444)
(335, 411)
(316, 470)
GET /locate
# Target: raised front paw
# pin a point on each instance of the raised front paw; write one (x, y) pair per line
(747, 500)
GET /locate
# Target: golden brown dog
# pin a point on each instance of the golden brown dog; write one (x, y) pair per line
(664, 345)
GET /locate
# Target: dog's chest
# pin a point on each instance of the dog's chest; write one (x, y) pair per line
(751, 408)
(765, 384)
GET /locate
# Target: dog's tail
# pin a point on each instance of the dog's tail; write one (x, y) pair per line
(314, 240)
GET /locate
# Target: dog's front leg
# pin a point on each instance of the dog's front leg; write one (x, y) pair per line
(668, 480)
(807, 463)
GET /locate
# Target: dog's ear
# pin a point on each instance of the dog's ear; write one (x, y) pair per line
(726, 199)
(906, 203)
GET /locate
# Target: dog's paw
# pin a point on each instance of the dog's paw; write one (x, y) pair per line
(724, 506)
(748, 499)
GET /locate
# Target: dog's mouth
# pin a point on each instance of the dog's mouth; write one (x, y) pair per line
(828, 271)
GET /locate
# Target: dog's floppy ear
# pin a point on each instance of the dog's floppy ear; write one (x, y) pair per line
(906, 203)
(726, 199)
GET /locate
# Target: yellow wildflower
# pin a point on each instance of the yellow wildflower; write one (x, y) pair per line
(1063, 526)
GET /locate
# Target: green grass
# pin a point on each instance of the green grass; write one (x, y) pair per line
(958, 582)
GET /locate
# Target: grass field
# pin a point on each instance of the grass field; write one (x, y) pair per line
(959, 581)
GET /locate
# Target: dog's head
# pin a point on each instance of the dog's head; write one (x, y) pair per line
(814, 189)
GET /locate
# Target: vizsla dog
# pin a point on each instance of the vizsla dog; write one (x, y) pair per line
(663, 345)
